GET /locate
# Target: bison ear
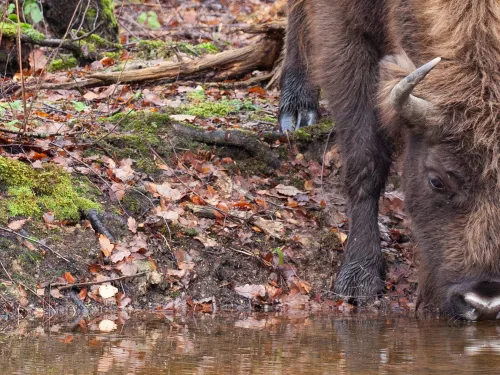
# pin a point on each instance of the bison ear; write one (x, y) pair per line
(397, 105)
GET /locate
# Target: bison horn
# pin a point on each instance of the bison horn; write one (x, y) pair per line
(404, 103)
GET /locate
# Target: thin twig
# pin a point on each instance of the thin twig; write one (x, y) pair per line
(63, 287)
(35, 241)
(30, 134)
(18, 282)
(20, 57)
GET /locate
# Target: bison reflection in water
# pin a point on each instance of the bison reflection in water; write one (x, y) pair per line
(364, 54)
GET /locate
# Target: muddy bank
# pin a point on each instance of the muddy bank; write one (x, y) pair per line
(184, 226)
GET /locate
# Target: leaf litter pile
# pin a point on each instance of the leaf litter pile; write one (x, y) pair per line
(164, 220)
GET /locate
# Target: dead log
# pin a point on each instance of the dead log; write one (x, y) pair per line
(225, 65)
(276, 27)
(234, 138)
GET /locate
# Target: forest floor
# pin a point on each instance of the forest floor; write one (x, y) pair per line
(113, 203)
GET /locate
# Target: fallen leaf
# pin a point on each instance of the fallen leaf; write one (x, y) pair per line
(289, 191)
(68, 339)
(188, 118)
(107, 291)
(68, 277)
(251, 291)
(17, 224)
(273, 228)
(107, 325)
(119, 255)
(340, 235)
(106, 245)
(56, 293)
(207, 241)
(128, 269)
(295, 300)
(167, 192)
(83, 294)
(132, 224)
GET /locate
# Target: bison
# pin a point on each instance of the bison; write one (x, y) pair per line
(423, 75)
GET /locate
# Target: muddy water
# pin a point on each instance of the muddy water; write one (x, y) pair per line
(252, 345)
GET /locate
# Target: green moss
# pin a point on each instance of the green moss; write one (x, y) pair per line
(314, 132)
(302, 135)
(107, 7)
(30, 192)
(206, 48)
(139, 133)
(29, 258)
(114, 55)
(91, 14)
(97, 41)
(191, 232)
(10, 31)
(297, 182)
(206, 108)
(4, 212)
(153, 49)
(60, 64)
(196, 95)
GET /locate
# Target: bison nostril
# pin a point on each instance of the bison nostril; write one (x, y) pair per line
(482, 306)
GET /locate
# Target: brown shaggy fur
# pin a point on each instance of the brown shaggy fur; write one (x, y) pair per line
(465, 86)
(359, 49)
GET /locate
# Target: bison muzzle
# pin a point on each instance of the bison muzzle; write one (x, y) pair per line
(422, 76)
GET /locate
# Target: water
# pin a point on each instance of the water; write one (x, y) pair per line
(253, 344)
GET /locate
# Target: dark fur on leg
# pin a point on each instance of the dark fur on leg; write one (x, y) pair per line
(347, 41)
(299, 97)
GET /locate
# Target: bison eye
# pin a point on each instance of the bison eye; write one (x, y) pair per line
(436, 183)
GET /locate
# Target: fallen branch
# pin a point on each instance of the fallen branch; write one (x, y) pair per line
(229, 64)
(98, 225)
(270, 227)
(85, 83)
(234, 138)
(30, 134)
(278, 26)
(63, 287)
(35, 241)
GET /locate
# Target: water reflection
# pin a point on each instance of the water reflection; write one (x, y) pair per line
(265, 344)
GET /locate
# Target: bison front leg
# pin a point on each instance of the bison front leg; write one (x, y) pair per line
(299, 98)
(346, 64)
(366, 161)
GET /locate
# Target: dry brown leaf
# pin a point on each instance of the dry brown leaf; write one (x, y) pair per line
(17, 224)
(167, 192)
(207, 241)
(188, 118)
(251, 291)
(124, 173)
(340, 235)
(68, 277)
(295, 300)
(107, 325)
(118, 190)
(132, 224)
(56, 293)
(107, 291)
(128, 269)
(119, 255)
(106, 245)
(273, 228)
(289, 191)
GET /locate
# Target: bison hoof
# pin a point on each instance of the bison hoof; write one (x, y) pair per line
(290, 121)
(358, 282)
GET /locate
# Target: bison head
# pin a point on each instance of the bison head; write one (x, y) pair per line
(453, 199)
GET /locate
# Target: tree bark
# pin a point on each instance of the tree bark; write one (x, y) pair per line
(84, 16)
